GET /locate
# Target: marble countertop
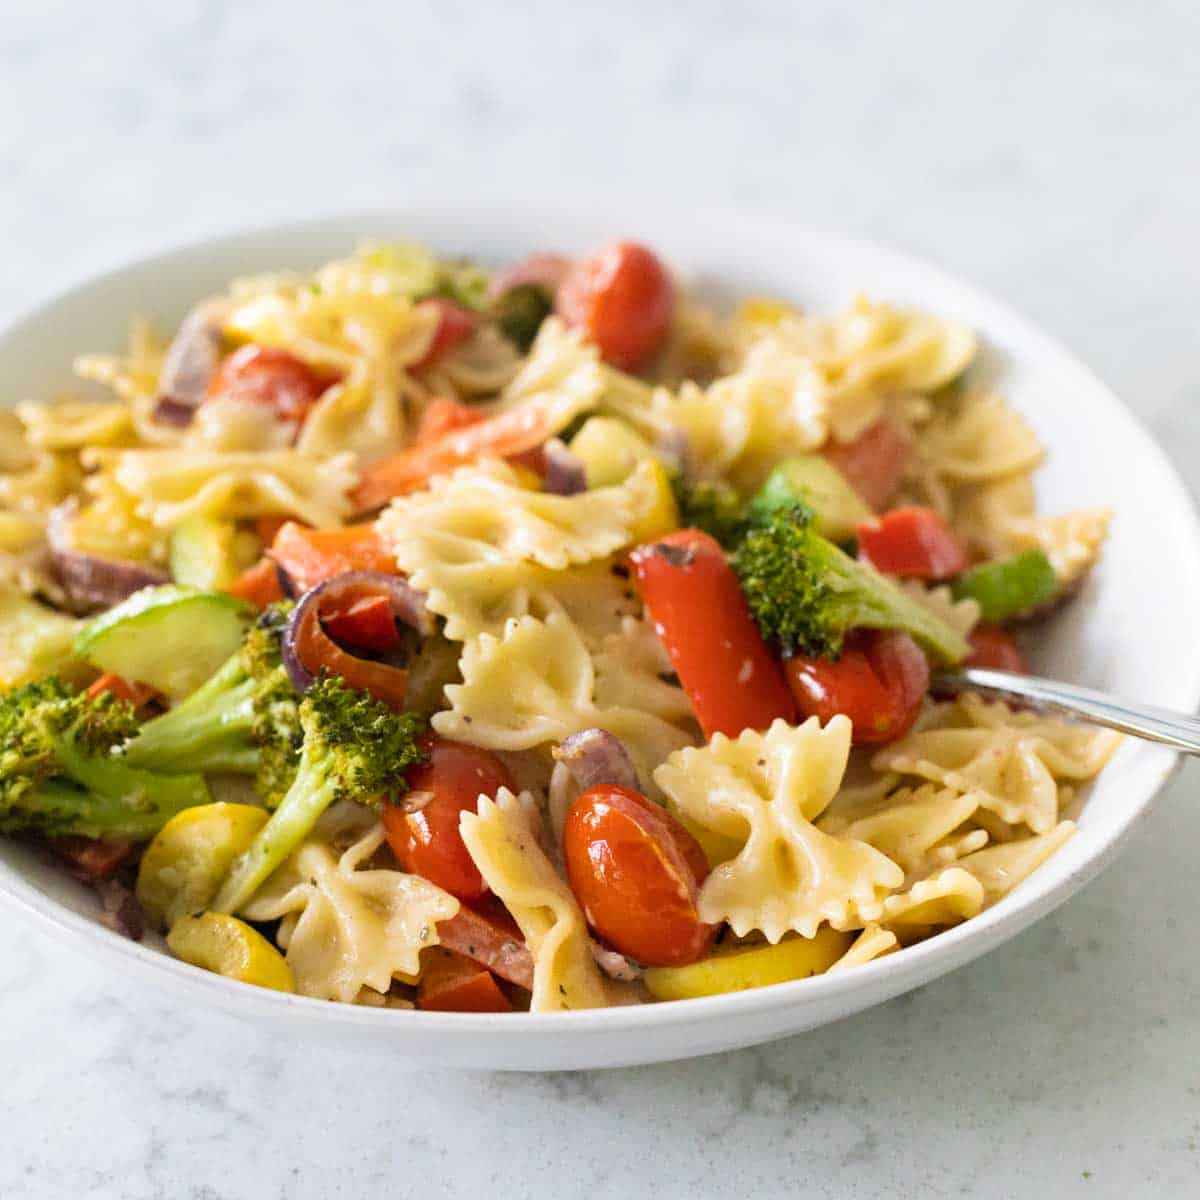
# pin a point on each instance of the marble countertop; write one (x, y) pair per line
(1046, 151)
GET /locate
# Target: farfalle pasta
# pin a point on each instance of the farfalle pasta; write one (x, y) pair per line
(532, 640)
(766, 790)
(347, 925)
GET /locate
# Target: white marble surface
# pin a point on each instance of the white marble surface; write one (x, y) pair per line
(1046, 150)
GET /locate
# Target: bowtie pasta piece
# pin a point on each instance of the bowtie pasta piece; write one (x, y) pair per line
(1011, 759)
(503, 838)
(535, 685)
(947, 898)
(768, 789)
(1001, 868)
(912, 827)
(170, 485)
(874, 942)
(476, 539)
(346, 926)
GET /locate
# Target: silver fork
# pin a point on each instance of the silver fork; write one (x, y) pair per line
(1141, 720)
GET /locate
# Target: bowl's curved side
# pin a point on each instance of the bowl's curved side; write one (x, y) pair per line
(1095, 443)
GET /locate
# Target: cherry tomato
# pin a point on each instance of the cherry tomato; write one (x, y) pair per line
(996, 649)
(696, 603)
(878, 682)
(636, 873)
(265, 375)
(913, 543)
(366, 624)
(454, 983)
(455, 325)
(486, 932)
(623, 300)
(422, 829)
(875, 463)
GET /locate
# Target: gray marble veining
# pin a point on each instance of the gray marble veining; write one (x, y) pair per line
(1045, 150)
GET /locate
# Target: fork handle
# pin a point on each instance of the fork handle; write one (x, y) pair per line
(1141, 720)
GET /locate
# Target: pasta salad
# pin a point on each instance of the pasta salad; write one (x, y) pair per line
(410, 634)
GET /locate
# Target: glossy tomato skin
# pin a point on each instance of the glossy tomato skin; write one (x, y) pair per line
(875, 463)
(422, 829)
(637, 874)
(878, 682)
(275, 378)
(623, 300)
(696, 604)
(912, 543)
(996, 649)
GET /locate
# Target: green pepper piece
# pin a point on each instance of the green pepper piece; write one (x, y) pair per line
(1008, 587)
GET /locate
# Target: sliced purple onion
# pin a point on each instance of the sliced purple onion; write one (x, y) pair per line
(189, 364)
(169, 411)
(613, 964)
(91, 582)
(675, 447)
(408, 605)
(595, 757)
(564, 472)
(121, 910)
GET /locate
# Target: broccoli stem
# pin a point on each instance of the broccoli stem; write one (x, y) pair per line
(109, 799)
(209, 731)
(313, 791)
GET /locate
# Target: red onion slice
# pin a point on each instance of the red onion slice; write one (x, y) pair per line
(189, 364)
(307, 647)
(91, 582)
(595, 757)
(564, 474)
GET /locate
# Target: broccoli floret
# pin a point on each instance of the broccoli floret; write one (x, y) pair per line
(355, 748)
(713, 506)
(244, 719)
(58, 775)
(806, 594)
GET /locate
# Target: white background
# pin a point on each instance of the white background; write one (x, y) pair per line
(1047, 151)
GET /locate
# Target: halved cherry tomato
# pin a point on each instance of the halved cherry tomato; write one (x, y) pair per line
(89, 859)
(442, 416)
(913, 543)
(878, 682)
(366, 624)
(696, 603)
(636, 873)
(138, 694)
(266, 375)
(502, 436)
(310, 556)
(996, 649)
(623, 300)
(258, 584)
(422, 829)
(486, 932)
(455, 325)
(875, 463)
(454, 983)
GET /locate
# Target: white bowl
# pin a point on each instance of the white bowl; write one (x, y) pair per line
(1131, 631)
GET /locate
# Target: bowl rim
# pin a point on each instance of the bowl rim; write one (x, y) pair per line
(915, 964)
